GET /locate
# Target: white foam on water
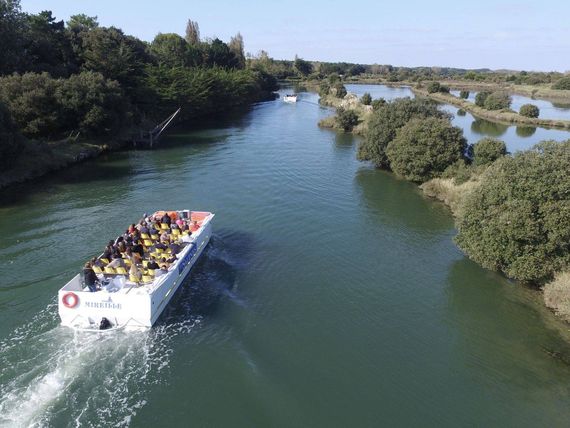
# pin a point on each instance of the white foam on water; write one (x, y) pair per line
(54, 376)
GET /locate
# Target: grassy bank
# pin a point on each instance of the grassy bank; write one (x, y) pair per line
(42, 158)
(505, 116)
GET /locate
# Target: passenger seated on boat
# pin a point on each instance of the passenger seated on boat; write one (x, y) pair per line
(166, 219)
(194, 226)
(165, 237)
(116, 262)
(144, 229)
(135, 273)
(131, 228)
(172, 259)
(180, 223)
(152, 264)
(186, 238)
(90, 277)
(175, 248)
(138, 248)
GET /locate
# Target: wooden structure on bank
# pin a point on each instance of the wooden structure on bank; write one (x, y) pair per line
(150, 138)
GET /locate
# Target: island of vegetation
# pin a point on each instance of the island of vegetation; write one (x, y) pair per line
(71, 90)
(512, 211)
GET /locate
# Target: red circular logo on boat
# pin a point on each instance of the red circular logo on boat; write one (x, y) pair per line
(70, 300)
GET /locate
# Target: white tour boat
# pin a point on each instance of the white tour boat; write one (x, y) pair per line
(123, 301)
(290, 98)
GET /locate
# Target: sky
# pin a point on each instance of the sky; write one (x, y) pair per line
(521, 35)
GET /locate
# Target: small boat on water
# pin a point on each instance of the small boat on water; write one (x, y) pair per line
(118, 299)
(290, 98)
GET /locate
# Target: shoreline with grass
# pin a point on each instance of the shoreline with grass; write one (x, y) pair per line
(511, 211)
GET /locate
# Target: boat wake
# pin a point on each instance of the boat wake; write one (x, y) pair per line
(54, 376)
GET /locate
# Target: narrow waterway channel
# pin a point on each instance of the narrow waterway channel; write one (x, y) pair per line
(331, 295)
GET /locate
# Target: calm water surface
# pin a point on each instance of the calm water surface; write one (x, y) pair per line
(331, 295)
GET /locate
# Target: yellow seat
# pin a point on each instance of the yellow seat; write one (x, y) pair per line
(153, 236)
(97, 269)
(134, 279)
(109, 270)
(176, 232)
(150, 272)
(147, 278)
(128, 262)
(121, 271)
(106, 261)
(164, 226)
(145, 263)
(145, 236)
(147, 243)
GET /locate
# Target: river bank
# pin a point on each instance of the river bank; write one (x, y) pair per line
(532, 91)
(452, 192)
(499, 116)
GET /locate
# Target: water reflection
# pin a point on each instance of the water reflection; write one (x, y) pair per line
(525, 131)
(499, 335)
(486, 128)
(396, 202)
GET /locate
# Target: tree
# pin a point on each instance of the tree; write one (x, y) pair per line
(91, 104)
(346, 119)
(387, 118)
(30, 99)
(464, 94)
(82, 22)
(433, 87)
(481, 97)
(172, 50)
(192, 32)
(236, 47)
(339, 90)
(9, 139)
(366, 99)
(219, 54)
(424, 148)
(517, 221)
(563, 84)
(488, 150)
(47, 46)
(12, 27)
(113, 54)
(529, 110)
(302, 67)
(324, 89)
(497, 101)
(356, 70)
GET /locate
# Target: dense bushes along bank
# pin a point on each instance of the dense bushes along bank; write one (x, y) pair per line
(80, 79)
(512, 211)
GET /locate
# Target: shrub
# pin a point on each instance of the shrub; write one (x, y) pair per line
(346, 119)
(518, 219)
(386, 120)
(497, 101)
(461, 112)
(324, 89)
(459, 171)
(444, 89)
(488, 150)
(366, 99)
(557, 295)
(424, 148)
(464, 94)
(481, 97)
(529, 110)
(340, 90)
(433, 87)
(563, 83)
(376, 104)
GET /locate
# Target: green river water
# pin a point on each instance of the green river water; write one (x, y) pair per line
(331, 295)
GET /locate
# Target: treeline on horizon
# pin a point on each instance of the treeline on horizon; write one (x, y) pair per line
(317, 70)
(79, 78)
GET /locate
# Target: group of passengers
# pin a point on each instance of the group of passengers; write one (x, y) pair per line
(166, 236)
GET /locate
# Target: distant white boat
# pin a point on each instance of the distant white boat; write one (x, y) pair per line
(290, 98)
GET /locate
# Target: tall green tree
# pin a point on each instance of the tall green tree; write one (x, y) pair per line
(237, 48)
(192, 32)
(172, 50)
(302, 67)
(12, 29)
